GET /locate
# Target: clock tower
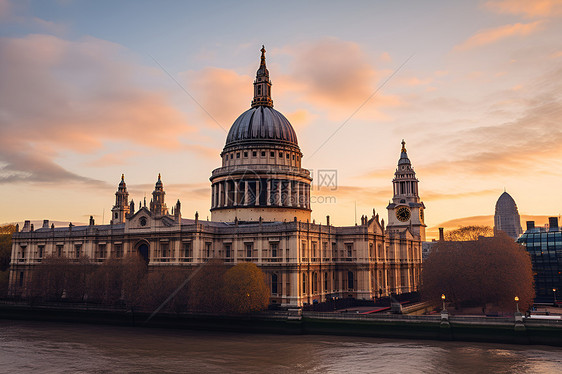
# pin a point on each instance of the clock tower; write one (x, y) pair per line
(406, 209)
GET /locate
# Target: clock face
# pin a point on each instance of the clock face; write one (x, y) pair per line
(421, 215)
(403, 213)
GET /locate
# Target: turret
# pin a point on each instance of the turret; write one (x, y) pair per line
(157, 204)
(121, 208)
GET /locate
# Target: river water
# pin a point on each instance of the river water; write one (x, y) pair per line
(39, 347)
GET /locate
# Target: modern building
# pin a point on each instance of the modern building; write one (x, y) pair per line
(506, 217)
(544, 244)
(260, 212)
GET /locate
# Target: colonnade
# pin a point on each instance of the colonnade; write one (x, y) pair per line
(260, 192)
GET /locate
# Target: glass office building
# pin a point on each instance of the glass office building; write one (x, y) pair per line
(544, 244)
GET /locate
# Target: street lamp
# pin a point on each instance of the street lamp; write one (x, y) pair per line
(443, 298)
(554, 292)
(517, 303)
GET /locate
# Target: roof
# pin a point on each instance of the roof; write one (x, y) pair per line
(261, 123)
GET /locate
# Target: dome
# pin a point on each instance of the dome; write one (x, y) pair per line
(506, 204)
(261, 123)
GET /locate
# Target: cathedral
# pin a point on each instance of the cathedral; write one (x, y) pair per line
(261, 213)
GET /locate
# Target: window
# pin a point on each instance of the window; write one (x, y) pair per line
(231, 156)
(334, 251)
(164, 250)
(21, 278)
(303, 283)
(245, 154)
(248, 250)
(254, 154)
(288, 155)
(273, 247)
(207, 250)
(350, 280)
(227, 250)
(116, 215)
(349, 250)
(281, 154)
(118, 250)
(293, 157)
(274, 284)
(237, 154)
(77, 249)
(22, 253)
(187, 251)
(272, 154)
(101, 251)
(314, 282)
(325, 282)
(314, 244)
(59, 250)
(263, 154)
(325, 250)
(41, 250)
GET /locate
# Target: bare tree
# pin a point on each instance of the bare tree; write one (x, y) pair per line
(464, 233)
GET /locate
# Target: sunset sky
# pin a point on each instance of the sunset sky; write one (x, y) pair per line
(93, 89)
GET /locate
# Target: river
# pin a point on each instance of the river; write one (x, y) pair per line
(45, 347)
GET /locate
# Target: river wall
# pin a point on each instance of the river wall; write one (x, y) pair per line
(479, 329)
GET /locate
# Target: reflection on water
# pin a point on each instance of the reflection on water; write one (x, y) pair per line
(27, 347)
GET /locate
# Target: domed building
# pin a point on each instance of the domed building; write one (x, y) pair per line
(261, 175)
(506, 217)
(260, 213)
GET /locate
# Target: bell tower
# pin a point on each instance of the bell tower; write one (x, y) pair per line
(406, 209)
(121, 208)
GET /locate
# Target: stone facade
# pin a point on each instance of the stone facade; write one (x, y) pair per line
(260, 208)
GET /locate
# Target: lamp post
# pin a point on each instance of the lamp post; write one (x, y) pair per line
(443, 298)
(554, 292)
(517, 303)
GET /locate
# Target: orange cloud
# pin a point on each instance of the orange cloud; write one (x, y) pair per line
(224, 94)
(59, 95)
(496, 34)
(527, 8)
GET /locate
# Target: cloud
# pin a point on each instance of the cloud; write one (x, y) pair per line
(529, 9)
(224, 94)
(115, 158)
(59, 95)
(335, 76)
(493, 35)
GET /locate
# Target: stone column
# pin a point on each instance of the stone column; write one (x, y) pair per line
(268, 193)
(212, 197)
(221, 195)
(246, 197)
(258, 183)
(280, 190)
(289, 201)
(236, 189)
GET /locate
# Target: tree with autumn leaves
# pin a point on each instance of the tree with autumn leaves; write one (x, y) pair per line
(487, 271)
(240, 289)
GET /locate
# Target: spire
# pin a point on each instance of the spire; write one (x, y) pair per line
(403, 155)
(262, 85)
